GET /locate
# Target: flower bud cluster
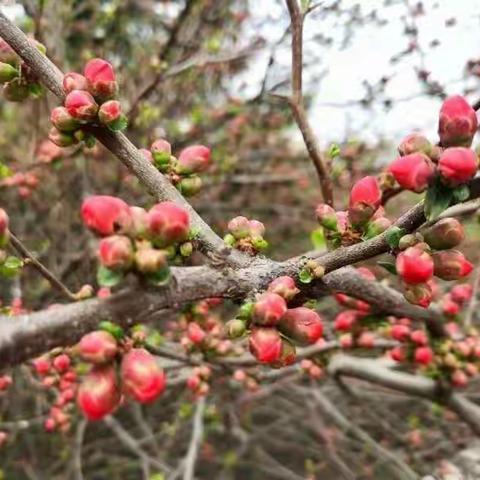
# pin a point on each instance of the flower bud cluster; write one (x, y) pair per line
(18, 80)
(183, 172)
(90, 100)
(246, 235)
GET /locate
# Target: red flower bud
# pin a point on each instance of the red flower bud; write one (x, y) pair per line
(193, 159)
(195, 333)
(268, 309)
(142, 378)
(62, 120)
(5, 382)
(414, 143)
(420, 294)
(167, 224)
(457, 165)
(61, 363)
(458, 122)
(365, 198)
(459, 378)
(345, 320)
(98, 347)
(106, 215)
(98, 394)
(109, 112)
(446, 233)
(461, 293)
(61, 139)
(101, 78)
(414, 265)
(449, 307)
(284, 286)
(398, 354)
(413, 172)
(366, 340)
(302, 325)
(265, 344)
(451, 265)
(4, 221)
(326, 216)
(81, 105)
(239, 227)
(41, 365)
(400, 332)
(423, 355)
(150, 260)
(74, 81)
(419, 337)
(115, 252)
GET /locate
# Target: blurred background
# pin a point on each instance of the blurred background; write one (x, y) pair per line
(213, 72)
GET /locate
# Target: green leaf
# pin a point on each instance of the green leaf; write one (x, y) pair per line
(461, 193)
(393, 236)
(154, 338)
(437, 200)
(334, 150)
(11, 267)
(317, 238)
(389, 266)
(157, 476)
(160, 277)
(89, 141)
(305, 275)
(107, 277)
(35, 90)
(119, 124)
(112, 329)
(4, 171)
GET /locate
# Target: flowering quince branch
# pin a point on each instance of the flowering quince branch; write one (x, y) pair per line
(276, 320)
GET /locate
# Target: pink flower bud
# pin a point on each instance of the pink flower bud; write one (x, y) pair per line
(398, 354)
(419, 337)
(284, 286)
(423, 355)
(414, 143)
(459, 378)
(109, 112)
(139, 221)
(461, 293)
(446, 233)
(61, 139)
(195, 333)
(143, 380)
(47, 152)
(268, 309)
(115, 252)
(62, 120)
(256, 229)
(302, 325)
(366, 340)
(49, 424)
(190, 186)
(106, 215)
(41, 365)
(414, 265)
(7, 53)
(458, 122)
(4, 222)
(3, 438)
(400, 332)
(265, 344)
(420, 294)
(413, 172)
(193, 382)
(161, 152)
(161, 146)
(101, 78)
(345, 320)
(74, 81)
(449, 307)
(104, 292)
(168, 224)
(365, 198)
(326, 216)
(98, 394)
(239, 227)
(81, 105)
(147, 154)
(5, 382)
(150, 260)
(193, 159)
(451, 265)
(62, 363)
(457, 165)
(98, 347)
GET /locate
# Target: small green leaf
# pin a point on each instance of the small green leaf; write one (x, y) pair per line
(4, 171)
(193, 233)
(437, 200)
(119, 124)
(317, 238)
(11, 267)
(107, 277)
(461, 193)
(333, 151)
(305, 275)
(154, 338)
(35, 90)
(389, 266)
(160, 277)
(245, 311)
(393, 236)
(112, 329)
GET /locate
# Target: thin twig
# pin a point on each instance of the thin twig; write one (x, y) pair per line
(77, 449)
(42, 269)
(195, 441)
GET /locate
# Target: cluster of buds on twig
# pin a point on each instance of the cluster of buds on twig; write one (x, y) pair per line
(273, 328)
(246, 235)
(243, 378)
(198, 381)
(9, 264)
(18, 80)
(182, 171)
(364, 219)
(137, 240)
(24, 182)
(90, 100)
(424, 255)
